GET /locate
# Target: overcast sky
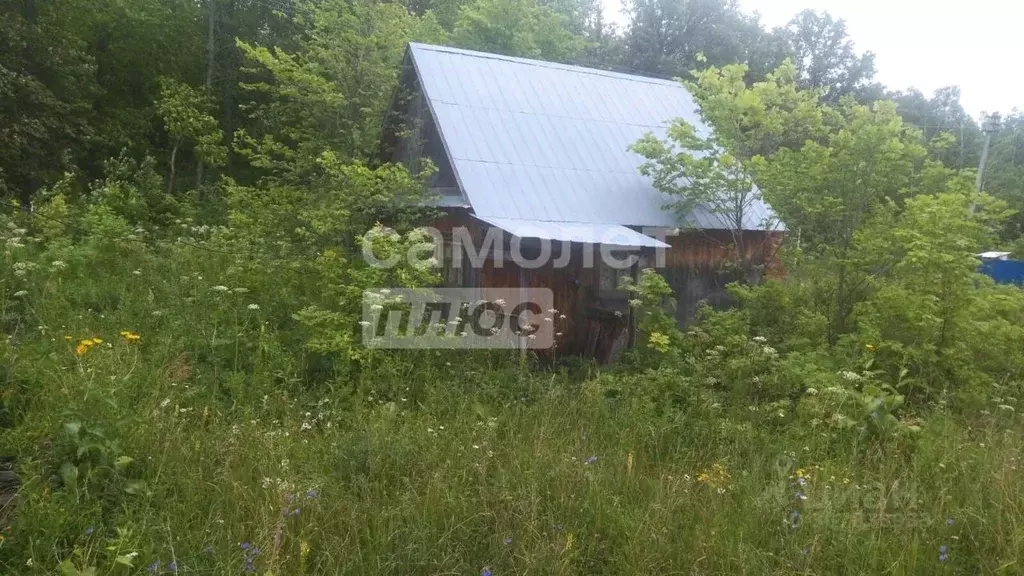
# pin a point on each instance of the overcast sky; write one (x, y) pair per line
(927, 44)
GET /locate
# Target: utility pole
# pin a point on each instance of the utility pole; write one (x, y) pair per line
(990, 126)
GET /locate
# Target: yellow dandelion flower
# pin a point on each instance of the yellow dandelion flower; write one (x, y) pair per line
(97, 341)
(83, 347)
(131, 337)
(715, 477)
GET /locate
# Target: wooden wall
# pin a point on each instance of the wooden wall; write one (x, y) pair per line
(693, 267)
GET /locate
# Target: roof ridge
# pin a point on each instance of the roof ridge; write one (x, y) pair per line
(547, 64)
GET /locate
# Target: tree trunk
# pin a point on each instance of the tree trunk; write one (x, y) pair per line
(30, 11)
(174, 158)
(211, 46)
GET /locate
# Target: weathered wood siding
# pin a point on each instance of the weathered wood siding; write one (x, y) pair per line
(694, 267)
(595, 324)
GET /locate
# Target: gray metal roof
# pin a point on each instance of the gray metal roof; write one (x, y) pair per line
(534, 140)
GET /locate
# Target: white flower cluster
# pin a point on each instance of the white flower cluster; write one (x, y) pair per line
(849, 376)
(23, 268)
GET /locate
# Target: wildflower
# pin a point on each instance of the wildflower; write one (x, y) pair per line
(943, 553)
(253, 306)
(21, 293)
(869, 347)
(486, 572)
(759, 339)
(801, 496)
(131, 337)
(137, 272)
(172, 567)
(220, 289)
(84, 346)
(848, 375)
(508, 541)
(715, 477)
(312, 494)
(590, 460)
(949, 521)
(89, 531)
(249, 555)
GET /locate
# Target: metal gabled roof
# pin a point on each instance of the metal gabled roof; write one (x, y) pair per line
(608, 234)
(534, 140)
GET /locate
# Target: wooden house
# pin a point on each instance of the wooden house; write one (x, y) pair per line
(540, 151)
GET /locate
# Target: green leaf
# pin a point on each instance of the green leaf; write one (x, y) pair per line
(69, 475)
(67, 568)
(72, 428)
(135, 487)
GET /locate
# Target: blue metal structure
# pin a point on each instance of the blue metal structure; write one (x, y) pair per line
(1004, 271)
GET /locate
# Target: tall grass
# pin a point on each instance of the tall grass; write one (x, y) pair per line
(217, 445)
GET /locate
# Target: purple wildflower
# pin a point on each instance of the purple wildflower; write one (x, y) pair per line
(508, 541)
(172, 567)
(89, 531)
(312, 494)
(949, 521)
(486, 572)
(943, 553)
(801, 496)
(249, 555)
(154, 567)
(590, 460)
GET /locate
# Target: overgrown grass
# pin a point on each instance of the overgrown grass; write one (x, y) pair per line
(219, 429)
